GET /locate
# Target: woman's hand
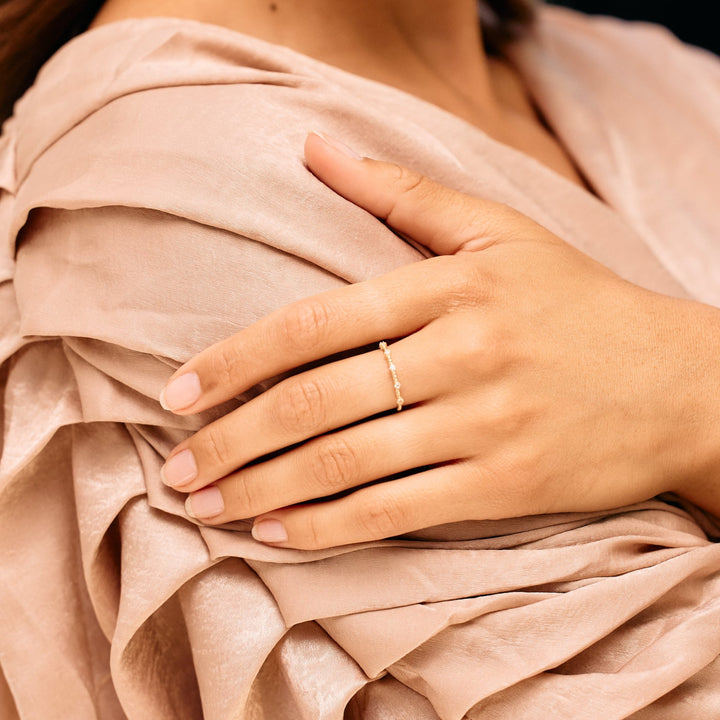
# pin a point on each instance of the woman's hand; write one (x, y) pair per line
(534, 381)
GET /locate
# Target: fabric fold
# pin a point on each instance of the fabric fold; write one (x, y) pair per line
(154, 200)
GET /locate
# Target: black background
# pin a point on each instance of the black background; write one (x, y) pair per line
(691, 20)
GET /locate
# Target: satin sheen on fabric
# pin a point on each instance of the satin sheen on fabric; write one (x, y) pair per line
(153, 200)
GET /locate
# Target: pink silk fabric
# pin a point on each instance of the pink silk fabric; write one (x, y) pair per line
(153, 200)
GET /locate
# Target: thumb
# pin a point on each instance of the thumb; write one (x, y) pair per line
(441, 219)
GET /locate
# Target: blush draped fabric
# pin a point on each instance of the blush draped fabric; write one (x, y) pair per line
(154, 200)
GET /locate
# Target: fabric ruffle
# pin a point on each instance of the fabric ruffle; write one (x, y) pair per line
(154, 200)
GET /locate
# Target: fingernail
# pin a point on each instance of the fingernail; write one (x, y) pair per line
(339, 146)
(181, 392)
(269, 531)
(205, 504)
(179, 470)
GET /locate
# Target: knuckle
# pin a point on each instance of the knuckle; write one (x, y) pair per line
(411, 186)
(409, 181)
(473, 283)
(469, 341)
(383, 518)
(242, 497)
(306, 324)
(466, 281)
(300, 406)
(214, 446)
(504, 223)
(313, 535)
(333, 465)
(225, 366)
(486, 226)
(477, 229)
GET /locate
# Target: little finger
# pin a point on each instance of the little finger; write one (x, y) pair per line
(434, 497)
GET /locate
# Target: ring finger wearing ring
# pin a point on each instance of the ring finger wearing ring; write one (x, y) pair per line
(303, 407)
(393, 375)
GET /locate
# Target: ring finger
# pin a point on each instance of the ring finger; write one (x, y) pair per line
(302, 407)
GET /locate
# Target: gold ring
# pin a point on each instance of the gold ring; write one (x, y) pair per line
(393, 374)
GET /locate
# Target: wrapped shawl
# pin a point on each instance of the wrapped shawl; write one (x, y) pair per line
(154, 200)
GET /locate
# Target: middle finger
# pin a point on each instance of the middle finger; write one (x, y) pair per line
(331, 464)
(299, 408)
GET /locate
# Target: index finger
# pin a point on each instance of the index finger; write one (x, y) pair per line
(393, 305)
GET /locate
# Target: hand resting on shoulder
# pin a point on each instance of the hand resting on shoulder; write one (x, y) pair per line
(531, 379)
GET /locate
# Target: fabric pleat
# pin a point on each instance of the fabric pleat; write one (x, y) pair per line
(153, 200)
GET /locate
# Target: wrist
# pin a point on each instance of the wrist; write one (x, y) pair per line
(697, 394)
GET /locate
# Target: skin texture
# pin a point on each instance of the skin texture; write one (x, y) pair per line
(535, 381)
(546, 373)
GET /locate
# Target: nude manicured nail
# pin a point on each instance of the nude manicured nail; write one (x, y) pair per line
(205, 504)
(179, 470)
(181, 392)
(269, 531)
(339, 146)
